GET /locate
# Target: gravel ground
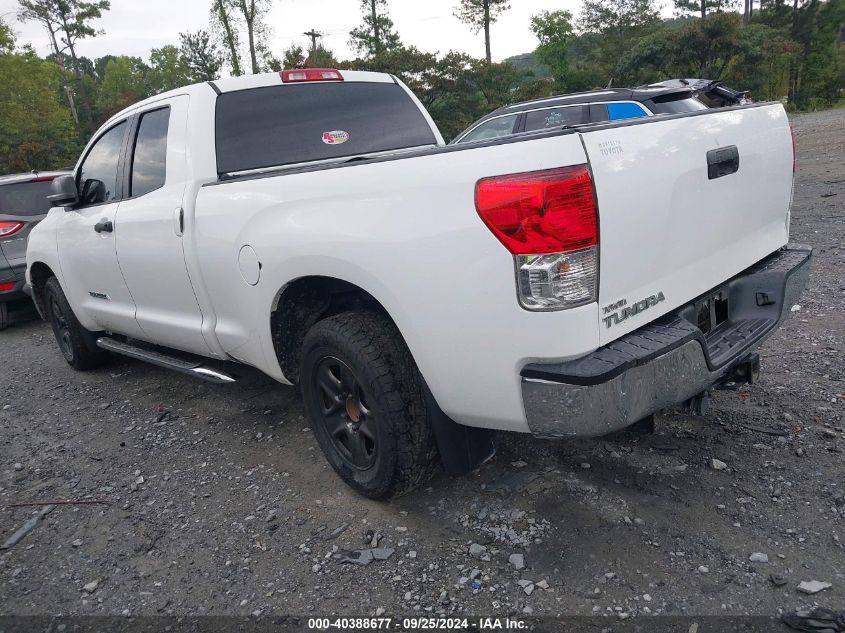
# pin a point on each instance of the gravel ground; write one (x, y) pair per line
(217, 500)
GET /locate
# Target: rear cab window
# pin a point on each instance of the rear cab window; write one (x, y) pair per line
(25, 198)
(282, 125)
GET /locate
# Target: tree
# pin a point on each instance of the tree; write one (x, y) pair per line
(320, 57)
(294, 57)
(201, 55)
(124, 83)
(616, 25)
(167, 70)
(702, 7)
(377, 34)
(37, 130)
(223, 24)
(253, 12)
(554, 31)
(66, 21)
(480, 14)
(7, 38)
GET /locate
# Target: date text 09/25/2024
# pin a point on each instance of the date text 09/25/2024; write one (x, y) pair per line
(415, 624)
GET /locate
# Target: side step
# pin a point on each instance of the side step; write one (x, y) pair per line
(190, 367)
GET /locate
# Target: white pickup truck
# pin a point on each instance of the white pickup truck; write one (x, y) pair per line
(312, 224)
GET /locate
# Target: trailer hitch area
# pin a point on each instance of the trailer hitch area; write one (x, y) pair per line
(745, 372)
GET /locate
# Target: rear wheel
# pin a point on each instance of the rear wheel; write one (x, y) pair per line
(4, 316)
(70, 335)
(364, 399)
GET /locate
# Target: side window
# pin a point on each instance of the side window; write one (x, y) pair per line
(553, 117)
(98, 179)
(598, 112)
(149, 157)
(618, 111)
(494, 128)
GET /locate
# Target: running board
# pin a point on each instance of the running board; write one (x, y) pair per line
(189, 367)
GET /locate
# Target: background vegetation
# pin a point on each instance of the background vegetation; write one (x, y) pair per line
(777, 49)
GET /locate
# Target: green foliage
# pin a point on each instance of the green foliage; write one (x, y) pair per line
(609, 29)
(167, 70)
(320, 57)
(37, 130)
(377, 34)
(49, 107)
(125, 81)
(821, 60)
(7, 38)
(555, 33)
(201, 55)
(456, 89)
(294, 57)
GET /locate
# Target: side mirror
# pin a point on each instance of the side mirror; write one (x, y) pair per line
(64, 193)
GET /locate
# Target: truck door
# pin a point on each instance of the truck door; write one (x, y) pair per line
(91, 276)
(150, 228)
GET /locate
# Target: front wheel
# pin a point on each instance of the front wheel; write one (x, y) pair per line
(69, 333)
(365, 403)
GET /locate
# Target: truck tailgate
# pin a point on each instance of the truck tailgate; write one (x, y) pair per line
(685, 202)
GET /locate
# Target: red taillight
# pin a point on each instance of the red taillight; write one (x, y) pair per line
(792, 134)
(540, 212)
(7, 229)
(311, 74)
(7, 286)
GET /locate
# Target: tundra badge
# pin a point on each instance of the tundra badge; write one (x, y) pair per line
(620, 310)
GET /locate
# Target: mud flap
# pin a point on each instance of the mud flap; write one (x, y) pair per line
(462, 448)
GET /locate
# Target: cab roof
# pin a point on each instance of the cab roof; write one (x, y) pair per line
(246, 82)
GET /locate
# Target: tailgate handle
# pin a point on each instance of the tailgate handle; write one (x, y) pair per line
(722, 161)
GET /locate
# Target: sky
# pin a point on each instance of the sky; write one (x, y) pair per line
(133, 27)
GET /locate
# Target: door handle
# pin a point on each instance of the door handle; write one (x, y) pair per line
(722, 162)
(104, 226)
(179, 221)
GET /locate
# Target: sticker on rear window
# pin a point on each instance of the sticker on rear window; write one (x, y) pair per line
(335, 137)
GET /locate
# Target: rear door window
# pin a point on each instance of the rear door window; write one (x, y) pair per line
(554, 117)
(616, 111)
(98, 179)
(286, 124)
(494, 128)
(149, 160)
(25, 198)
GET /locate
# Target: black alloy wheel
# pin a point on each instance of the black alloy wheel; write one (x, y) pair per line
(348, 421)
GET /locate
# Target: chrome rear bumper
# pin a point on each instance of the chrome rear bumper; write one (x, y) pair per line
(665, 362)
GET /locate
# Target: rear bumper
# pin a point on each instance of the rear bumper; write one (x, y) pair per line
(665, 362)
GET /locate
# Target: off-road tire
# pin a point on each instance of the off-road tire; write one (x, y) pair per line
(70, 335)
(4, 316)
(372, 348)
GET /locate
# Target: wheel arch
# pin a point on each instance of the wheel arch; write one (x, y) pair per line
(304, 301)
(39, 273)
(301, 303)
